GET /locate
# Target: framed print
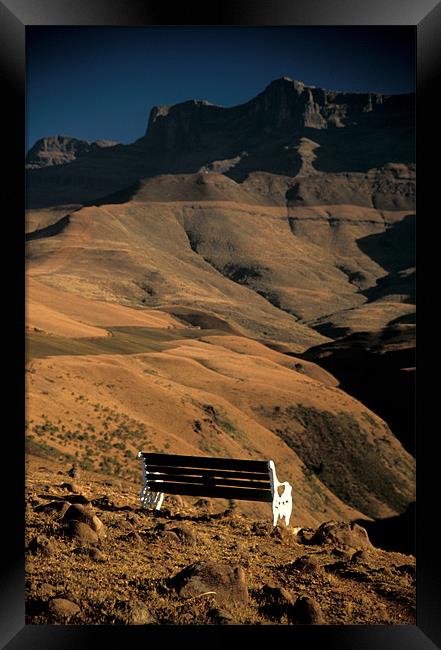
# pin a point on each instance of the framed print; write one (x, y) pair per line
(216, 309)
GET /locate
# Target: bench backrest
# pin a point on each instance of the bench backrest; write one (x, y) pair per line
(226, 478)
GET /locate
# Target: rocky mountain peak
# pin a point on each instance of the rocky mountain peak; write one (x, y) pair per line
(61, 149)
(287, 129)
(285, 104)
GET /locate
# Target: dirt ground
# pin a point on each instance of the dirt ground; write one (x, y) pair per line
(94, 557)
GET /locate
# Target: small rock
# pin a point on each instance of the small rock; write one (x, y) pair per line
(307, 611)
(41, 544)
(82, 532)
(220, 617)
(133, 519)
(284, 534)
(33, 502)
(204, 504)
(169, 537)
(360, 556)
(46, 591)
(307, 564)
(261, 528)
(175, 501)
(408, 569)
(278, 603)
(140, 615)
(97, 555)
(277, 595)
(72, 487)
(229, 583)
(305, 535)
(52, 506)
(342, 534)
(74, 472)
(132, 537)
(60, 608)
(342, 554)
(135, 613)
(86, 515)
(185, 534)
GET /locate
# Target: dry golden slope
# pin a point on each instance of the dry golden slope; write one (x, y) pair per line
(221, 396)
(155, 384)
(137, 255)
(53, 311)
(263, 268)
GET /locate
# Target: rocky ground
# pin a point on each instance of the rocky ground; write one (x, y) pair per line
(94, 557)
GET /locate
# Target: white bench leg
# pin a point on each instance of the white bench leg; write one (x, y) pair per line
(282, 504)
(149, 498)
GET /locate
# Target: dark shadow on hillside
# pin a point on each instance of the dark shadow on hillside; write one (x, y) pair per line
(373, 140)
(377, 368)
(393, 533)
(49, 231)
(120, 196)
(393, 249)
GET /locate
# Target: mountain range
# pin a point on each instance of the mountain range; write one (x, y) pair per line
(218, 285)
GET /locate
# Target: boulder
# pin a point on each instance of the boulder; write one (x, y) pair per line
(284, 535)
(360, 557)
(52, 506)
(41, 544)
(220, 616)
(307, 564)
(97, 555)
(71, 487)
(175, 501)
(185, 534)
(134, 613)
(277, 595)
(82, 532)
(86, 515)
(63, 609)
(307, 611)
(229, 583)
(342, 534)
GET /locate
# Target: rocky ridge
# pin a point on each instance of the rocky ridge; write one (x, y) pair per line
(262, 135)
(61, 150)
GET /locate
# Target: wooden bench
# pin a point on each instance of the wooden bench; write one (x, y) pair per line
(222, 478)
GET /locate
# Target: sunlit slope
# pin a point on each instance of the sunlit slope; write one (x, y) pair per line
(265, 269)
(216, 398)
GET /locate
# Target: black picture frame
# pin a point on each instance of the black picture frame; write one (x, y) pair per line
(15, 16)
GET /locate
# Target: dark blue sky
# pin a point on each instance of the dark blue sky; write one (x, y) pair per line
(101, 82)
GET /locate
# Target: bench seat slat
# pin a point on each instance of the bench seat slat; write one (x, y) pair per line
(246, 494)
(156, 481)
(221, 473)
(205, 463)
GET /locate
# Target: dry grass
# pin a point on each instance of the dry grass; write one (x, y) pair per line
(139, 557)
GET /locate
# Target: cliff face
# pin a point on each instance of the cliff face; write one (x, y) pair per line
(60, 150)
(290, 131)
(284, 104)
(284, 109)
